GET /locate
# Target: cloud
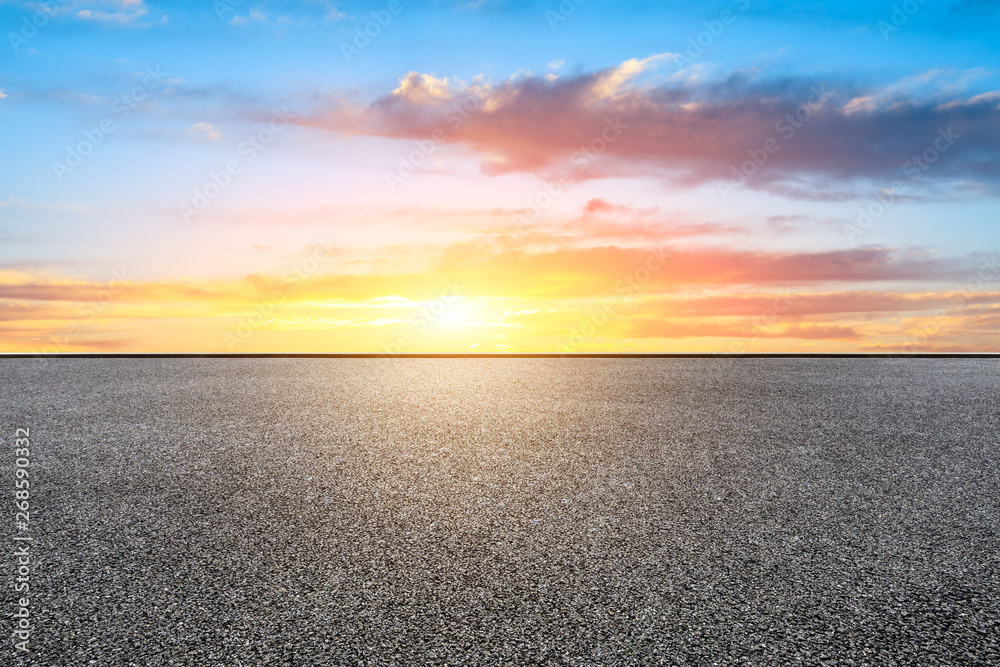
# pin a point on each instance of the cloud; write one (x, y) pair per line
(579, 272)
(665, 328)
(126, 13)
(416, 88)
(826, 304)
(255, 16)
(335, 14)
(494, 270)
(258, 16)
(15, 202)
(610, 83)
(205, 130)
(529, 299)
(823, 137)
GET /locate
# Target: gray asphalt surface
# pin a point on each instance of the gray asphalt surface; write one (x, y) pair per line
(498, 511)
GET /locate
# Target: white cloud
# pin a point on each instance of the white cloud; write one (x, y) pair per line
(417, 87)
(205, 131)
(261, 17)
(128, 13)
(255, 16)
(941, 85)
(613, 80)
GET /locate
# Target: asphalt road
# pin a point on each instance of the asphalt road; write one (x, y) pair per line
(499, 511)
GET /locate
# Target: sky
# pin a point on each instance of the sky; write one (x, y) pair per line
(734, 176)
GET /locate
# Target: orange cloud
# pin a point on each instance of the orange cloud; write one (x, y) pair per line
(506, 296)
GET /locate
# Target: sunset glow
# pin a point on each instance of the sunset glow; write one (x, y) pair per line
(499, 177)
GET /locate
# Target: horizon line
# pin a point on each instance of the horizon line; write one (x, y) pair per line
(501, 355)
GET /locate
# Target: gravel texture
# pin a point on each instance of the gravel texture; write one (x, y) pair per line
(508, 511)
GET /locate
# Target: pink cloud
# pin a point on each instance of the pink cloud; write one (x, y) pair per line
(806, 134)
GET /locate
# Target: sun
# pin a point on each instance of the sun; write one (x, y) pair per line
(455, 316)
